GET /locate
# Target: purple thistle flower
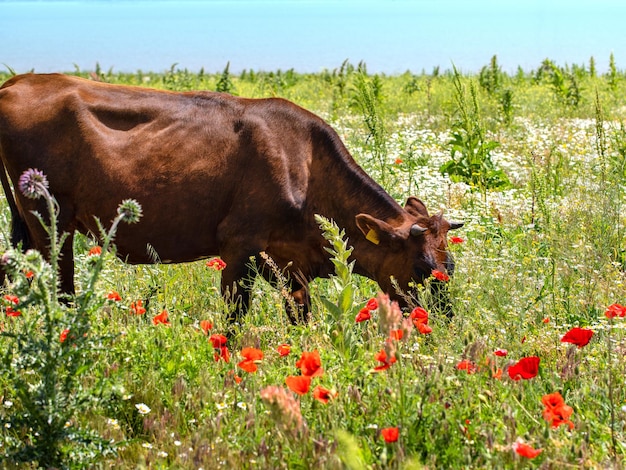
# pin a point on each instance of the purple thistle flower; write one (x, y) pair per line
(33, 183)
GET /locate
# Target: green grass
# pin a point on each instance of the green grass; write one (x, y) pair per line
(549, 247)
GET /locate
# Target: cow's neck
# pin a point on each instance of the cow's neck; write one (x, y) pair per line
(344, 191)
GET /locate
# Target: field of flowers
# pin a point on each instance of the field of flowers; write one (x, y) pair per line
(140, 372)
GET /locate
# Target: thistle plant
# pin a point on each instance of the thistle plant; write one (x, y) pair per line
(48, 347)
(470, 149)
(342, 312)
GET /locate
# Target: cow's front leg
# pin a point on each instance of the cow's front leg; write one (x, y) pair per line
(236, 284)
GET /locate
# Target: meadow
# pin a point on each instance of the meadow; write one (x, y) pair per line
(529, 372)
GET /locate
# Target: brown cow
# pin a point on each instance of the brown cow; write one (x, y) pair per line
(214, 174)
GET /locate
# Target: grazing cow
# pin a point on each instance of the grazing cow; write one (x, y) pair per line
(214, 174)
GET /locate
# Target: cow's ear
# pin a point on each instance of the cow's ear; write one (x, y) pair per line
(375, 230)
(416, 207)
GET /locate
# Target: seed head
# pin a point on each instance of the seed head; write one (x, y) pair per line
(33, 183)
(130, 210)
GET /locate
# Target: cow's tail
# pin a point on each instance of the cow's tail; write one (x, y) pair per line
(19, 230)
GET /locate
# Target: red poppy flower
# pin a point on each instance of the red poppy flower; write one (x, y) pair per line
(546, 320)
(12, 312)
(420, 320)
(456, 240)
(323, 394)
(218, 340)
(284, 349)
(578, 336)
(418, 314)
(222, 353)
(216, 263)
(390, 434)
(63, 335)
(501, 352)
(372, 304)
(251, 357)
(440, 275)
(114, 296)
(615, 310)
(526, 368)
(556, 412)
(526, 450)
(398, 161)
(29, 274)
(386, 363)
(14, 299)
(497, 374)
(137, 308)
(161, 319)
(310, 364)
(466, 365)
(363, 315)
(95, 251)
(205, 326)
(237, 379)
(299, 384)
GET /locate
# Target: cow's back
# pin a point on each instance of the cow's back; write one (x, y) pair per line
(192, 160)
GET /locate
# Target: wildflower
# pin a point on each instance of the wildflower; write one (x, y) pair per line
(137, 307)
(525, 450)
(251, 357)
(546, 320)
(284, 408)
(14, 299)
(578, 336)
(130, 211)
(284, 349)
(526, 368)
(310, 364)
(456, 240)
(372, 304)
(497, 374)
(63, 335)
(11, 312)
(33, 184)
(398, 161)
(216, 263)
(205, 326)
(501, 352)
(389, 314)
(615, 310)
(222, 353)
(161, 318)
(29, 274)
(95, 251)
(218, 340)
(420, 320)
(299, 384)
(114, 423)
(390, 434)
(440, 275)
(363, 315)
(323, 394)
(386, 363)
(114, 296)
(221, 406)
(466, 365)
(142, 408)
(556, 412)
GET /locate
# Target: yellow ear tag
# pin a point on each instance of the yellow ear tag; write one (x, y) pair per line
(373, 237)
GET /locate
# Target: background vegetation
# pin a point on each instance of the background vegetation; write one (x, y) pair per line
(533, 162)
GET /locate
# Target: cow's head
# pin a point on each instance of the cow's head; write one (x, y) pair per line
(410, 251)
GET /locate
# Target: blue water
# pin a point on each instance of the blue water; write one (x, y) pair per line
(391, 36)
